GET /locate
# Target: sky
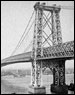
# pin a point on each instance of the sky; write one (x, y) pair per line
(14, 18)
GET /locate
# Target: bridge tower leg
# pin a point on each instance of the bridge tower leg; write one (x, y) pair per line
(59, 85)
(36, 80)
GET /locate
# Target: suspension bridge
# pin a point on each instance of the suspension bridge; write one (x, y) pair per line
(48, 49)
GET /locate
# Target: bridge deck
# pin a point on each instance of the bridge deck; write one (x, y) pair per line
(65, 50)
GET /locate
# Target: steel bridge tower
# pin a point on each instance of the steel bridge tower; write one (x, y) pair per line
(58, 66)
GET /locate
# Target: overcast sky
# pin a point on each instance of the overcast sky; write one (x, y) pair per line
(14, 18)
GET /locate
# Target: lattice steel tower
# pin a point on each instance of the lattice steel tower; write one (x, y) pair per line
(37, 51)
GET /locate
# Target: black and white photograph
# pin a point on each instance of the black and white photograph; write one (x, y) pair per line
(37, 47)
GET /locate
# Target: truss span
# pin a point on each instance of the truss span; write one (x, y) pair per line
(65, 50)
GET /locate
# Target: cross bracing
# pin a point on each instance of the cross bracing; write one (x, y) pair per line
(66, 50)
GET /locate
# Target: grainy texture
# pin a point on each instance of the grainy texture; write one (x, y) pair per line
(9, 84)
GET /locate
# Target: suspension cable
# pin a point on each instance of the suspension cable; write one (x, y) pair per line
(21, 39)
(22, 35)
(26, 34)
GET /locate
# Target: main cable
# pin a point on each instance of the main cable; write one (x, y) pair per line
(19, 43)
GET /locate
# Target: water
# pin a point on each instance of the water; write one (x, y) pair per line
(20, 85)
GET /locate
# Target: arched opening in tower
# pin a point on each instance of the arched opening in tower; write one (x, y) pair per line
(47, 78)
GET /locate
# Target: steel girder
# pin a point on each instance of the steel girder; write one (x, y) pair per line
(65, 50)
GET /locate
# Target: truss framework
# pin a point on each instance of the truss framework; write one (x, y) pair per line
(37, 51)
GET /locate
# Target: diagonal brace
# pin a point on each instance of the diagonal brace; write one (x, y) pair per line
(48, 37)
(46, 40)
(47, 18)
(47, 23)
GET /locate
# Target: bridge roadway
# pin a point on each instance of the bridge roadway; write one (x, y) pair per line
(65, 50)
